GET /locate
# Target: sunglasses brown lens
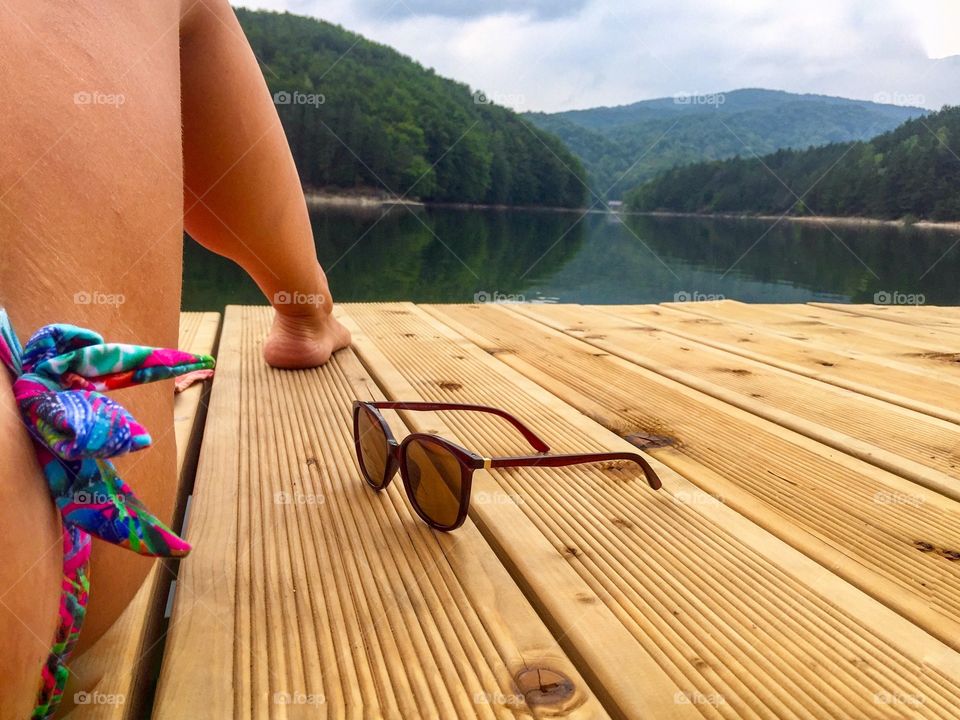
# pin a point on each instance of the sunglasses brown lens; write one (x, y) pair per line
(373, 447)
(435, 477)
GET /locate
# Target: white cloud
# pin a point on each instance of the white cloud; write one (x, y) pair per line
(582, 53)
(940, 27)
(475, 8)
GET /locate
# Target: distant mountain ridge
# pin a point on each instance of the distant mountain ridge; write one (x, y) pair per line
(910, 172)
(733, 101)
(623, 146)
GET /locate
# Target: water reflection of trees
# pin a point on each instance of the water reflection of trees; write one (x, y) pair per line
(424, 255)
(445, 255)
(854, 262)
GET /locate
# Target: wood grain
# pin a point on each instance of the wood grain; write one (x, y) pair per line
(943, 318)
(860, 521)
(309, 595)
(119, 663)
(902, 384)
(733, 616)
(911, 444)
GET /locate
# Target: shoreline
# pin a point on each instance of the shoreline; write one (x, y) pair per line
(848, 221)
(373, 199)
(320, 198)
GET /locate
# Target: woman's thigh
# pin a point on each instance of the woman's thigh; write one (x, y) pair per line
(91, 232)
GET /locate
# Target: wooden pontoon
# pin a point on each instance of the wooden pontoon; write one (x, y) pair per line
(802, 559)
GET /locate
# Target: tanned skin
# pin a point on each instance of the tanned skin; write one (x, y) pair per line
(126, 122)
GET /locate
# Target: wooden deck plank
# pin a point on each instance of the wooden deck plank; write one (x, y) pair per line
(928, 315)
(843, 326)
(308, 595)
(922, 448)
(117, 663)
(898, 383)
(726, 609)
(820, 337)
(860, 521)
(591, 631)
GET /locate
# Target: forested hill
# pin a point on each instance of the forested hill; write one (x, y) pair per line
(911, 171)
(622, 147)
(361, 115)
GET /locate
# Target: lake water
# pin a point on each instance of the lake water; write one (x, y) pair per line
(463, 255)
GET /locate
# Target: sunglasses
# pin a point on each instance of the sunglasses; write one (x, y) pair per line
(438, 474)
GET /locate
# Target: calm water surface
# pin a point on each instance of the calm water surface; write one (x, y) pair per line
(453, 255)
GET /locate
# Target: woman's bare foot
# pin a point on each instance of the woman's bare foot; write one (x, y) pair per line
(297, 342)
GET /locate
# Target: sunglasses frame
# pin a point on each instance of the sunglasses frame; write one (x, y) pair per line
(469, 461)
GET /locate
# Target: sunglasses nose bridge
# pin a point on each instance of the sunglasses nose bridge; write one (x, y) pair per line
(394, 461)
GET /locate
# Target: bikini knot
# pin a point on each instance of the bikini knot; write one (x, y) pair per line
(57, 382)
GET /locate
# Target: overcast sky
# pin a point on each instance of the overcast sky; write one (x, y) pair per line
(562, 54)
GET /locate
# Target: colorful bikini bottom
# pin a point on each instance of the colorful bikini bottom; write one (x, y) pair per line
(58, 379)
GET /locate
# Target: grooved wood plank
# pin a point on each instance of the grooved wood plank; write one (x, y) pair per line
(901, 384)
(842, 326)
(590, 631)
(115, 665)
(737, 619)
(939, 367)
(309, 595)
(924, 449)
(929, 315)
(850, 516)
(918, 447)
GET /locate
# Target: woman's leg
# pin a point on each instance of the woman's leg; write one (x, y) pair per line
(30, 570)
(242, 194)
(91, 200)
(91, 222)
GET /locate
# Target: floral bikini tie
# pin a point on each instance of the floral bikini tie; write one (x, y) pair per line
(57, 382)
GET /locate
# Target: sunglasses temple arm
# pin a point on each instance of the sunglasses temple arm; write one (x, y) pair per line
(564, 460)
(527, 433)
